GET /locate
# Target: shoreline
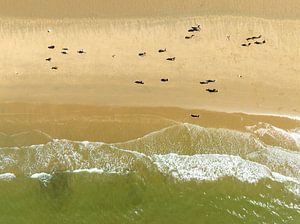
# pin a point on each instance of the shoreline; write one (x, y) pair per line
(295, 117)
(29, 124)
(136, 111)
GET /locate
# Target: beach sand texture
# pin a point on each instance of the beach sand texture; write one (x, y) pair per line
(258, 78)
(81, 142)
(145, 8)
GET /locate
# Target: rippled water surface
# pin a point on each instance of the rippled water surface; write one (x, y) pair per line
(182, 173)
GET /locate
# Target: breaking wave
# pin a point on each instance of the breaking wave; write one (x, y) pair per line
(185, 152)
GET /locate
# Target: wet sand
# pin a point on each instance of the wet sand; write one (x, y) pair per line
(27, 124)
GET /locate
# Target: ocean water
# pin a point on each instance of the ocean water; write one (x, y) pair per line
(184, 173)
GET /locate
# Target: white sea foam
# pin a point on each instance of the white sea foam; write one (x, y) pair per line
(7, 176)
(189, 138)
(41, 176)
(228, 154)
(296, 137)
(91, 170)
(294, 188)
(72, 155)
(281, 178)
(279, 160)
(292, 117)
(211, 167)
(288, 139)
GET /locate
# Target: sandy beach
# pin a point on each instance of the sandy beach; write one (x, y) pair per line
(58, 9)
(256, 79)
(259, 78)
(139, 111)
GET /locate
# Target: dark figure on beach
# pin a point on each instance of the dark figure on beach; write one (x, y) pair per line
(258, 42)
(81, 52)
(164, 80)
(211, 80)
(195, 115)
(195, 29)
(198, 27)
(246, 45)
(171, 59)
(253, 38)
(64, 52)
(189, 37)
(51, 47)
(139, 82)
(203, 82)
(162, 50)
(207, 81)
(54, 68)
(142, 54)
(48, 59)
(212, 90)
(65, 49)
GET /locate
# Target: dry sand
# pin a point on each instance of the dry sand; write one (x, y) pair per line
(270, 73)
(53, 9)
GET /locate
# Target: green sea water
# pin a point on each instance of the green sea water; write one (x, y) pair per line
(151, 198)
(180, 174)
